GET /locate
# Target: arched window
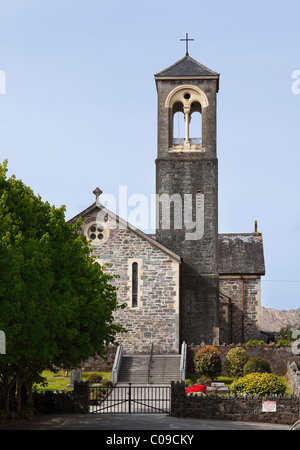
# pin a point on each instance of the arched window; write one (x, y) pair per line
(190, 102)
(196, 124)
(178, 124)
(135, 284)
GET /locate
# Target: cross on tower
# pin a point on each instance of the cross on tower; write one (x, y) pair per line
(187, 43)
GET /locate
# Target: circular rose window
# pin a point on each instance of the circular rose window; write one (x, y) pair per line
(97, 233)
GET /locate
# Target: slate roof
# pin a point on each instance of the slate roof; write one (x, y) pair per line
(241, 254)
(187, 67)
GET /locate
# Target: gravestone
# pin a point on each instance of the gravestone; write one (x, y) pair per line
(76, 376)
(2, 343)
(218, 388)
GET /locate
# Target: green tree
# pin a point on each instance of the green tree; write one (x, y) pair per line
(286, 332)
(56, 305)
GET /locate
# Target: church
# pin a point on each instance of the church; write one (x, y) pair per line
(186, 283)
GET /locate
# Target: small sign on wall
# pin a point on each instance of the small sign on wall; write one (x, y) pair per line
(269, 406)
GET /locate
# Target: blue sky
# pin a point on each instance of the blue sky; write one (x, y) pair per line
(79, 108)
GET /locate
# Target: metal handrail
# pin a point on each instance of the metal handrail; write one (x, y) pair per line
(117, 363)
(150, 362)
(183, 361)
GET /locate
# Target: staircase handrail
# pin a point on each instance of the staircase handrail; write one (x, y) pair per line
(117, 363)
(150, 362)
(183, 361)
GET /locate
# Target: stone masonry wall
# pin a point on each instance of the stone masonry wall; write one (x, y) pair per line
(186, 173)
(156, 318)
(233, 407)
(246, 309)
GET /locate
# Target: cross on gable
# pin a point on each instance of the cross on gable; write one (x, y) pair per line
(187, 43)
(97, 193)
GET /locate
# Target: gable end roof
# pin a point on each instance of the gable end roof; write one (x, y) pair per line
(98, 206)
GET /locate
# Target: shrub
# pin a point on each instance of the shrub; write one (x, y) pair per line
(254, 342)
(196, 389)
(208, 362)
(236, 358)
(258, 365)
(94, 377)
(258, 383)
(204, 380)
(283, 342)
(107, 383)
(285, 333)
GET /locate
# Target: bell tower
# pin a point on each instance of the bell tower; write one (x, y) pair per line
(187, 190)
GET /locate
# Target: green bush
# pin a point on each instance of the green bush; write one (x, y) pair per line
(94, 377)
(258, 365)
(204, 380)
(107, 383)
(254, 342)
(283, 342)
(258, 383)
(236, 358)
(208, 362)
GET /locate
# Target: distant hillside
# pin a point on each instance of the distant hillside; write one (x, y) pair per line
(273, 319)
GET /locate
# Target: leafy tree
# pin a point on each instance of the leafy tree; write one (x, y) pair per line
(286, 332)
(56, 305)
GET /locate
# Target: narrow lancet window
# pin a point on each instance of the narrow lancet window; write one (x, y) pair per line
(135, 286)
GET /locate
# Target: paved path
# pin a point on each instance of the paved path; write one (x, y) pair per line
(127, 422)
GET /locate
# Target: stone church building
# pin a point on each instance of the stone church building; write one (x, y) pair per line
(187, 282)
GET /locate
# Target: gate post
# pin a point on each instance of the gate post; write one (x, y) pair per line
(178, 398)
(81, 396)
(129, 399)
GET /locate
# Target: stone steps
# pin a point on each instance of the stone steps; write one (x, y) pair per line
(134, 369)
(164, 369)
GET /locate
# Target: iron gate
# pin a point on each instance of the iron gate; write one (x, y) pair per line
(129, 399)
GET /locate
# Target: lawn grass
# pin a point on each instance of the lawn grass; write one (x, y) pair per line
(55, 381)
(194, 377)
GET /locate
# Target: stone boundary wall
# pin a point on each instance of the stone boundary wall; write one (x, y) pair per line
(210, 406)
(100, 364)
(233, 407)
(278, 357)
(55, 402)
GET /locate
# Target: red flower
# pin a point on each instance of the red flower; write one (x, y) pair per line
(196, 388)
